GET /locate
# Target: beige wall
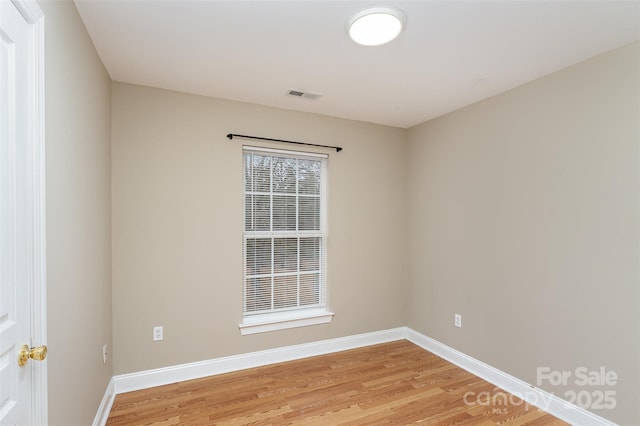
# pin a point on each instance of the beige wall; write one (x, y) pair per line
(177, 225)
(524, 218)
(78, 217)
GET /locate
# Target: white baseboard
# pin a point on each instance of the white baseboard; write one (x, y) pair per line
(105, 405)
(537, 397)
(196, 370)
(164, 376)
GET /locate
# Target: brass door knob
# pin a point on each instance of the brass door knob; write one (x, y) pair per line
(38, 354)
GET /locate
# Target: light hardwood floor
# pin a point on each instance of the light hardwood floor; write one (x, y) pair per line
(395, 383)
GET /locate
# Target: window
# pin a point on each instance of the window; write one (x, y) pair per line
(284, 277)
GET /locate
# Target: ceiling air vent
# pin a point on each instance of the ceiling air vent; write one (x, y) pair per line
(301, 94)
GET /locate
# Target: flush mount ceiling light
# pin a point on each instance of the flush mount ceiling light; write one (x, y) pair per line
(376, 26)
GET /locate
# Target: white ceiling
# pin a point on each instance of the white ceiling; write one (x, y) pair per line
(451, 54)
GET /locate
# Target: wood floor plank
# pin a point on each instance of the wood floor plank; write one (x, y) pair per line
(391, 384)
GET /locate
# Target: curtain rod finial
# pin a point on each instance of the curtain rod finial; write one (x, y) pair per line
(230, 136)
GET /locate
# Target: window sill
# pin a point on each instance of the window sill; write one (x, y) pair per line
(283, 320)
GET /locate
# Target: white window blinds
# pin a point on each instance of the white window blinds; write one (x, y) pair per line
(284, 231)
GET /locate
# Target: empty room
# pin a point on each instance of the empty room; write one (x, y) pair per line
(320, 212)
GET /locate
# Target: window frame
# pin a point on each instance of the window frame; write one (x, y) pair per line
(290, 317)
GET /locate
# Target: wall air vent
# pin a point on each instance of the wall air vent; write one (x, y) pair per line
(301, 94)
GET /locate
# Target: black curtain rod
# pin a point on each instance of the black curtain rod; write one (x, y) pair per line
(231, 136)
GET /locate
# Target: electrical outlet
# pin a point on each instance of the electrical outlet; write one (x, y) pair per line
(157, 333)
(104, 353)
(457, 320)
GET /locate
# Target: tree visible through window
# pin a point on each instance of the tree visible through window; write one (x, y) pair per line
(284, 232)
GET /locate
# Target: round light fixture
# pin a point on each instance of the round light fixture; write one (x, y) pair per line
(376, 26)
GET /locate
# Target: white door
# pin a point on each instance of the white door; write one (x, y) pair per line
(22, 317)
